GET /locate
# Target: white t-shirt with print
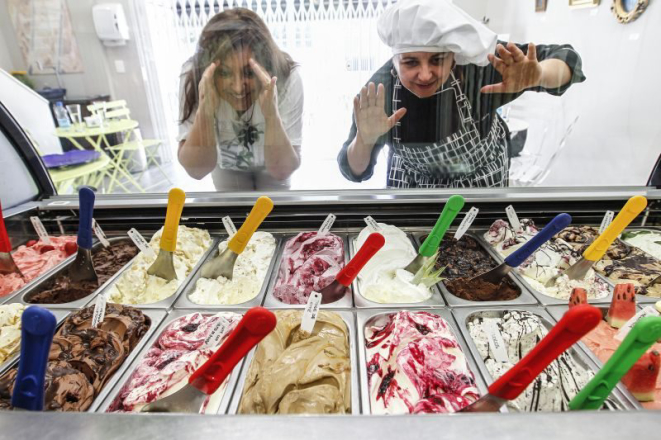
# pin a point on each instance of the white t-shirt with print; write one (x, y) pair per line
(240, 138)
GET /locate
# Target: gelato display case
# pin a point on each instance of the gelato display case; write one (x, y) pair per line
(373, 349)
(300, 212)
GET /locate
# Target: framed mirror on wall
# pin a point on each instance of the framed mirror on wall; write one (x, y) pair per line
(627, 11)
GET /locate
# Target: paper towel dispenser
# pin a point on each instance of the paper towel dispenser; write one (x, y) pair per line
(110, 24)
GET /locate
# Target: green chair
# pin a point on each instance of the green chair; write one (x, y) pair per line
(133, 142)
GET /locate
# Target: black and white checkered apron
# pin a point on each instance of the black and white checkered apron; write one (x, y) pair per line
(463, 160)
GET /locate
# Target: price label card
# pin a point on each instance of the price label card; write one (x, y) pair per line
(99, 233)
(608, 219)
(513, 218)
(496, 342)
(311, 312)
(229, 226)
(626, 328)
(327, 224)
(371, 223)
(41, 230)
(217, 332)
(99, 310)
(141, 243)
(466, 223)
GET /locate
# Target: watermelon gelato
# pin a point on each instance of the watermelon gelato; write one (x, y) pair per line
(643, 380)
(520, 331)
(552, 258)
(35, 258)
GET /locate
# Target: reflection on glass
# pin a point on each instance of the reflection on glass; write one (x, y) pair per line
(330, 49)
(435, 102)
(242, 106)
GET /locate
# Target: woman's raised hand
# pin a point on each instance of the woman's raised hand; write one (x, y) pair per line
(369, 111)
(207, 90)
(268, 96)
(519, 71)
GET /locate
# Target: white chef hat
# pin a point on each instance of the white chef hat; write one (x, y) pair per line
(436, 26)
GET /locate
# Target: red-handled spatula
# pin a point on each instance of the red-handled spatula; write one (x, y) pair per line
(576, 323)
(7, 263)
(255, 325)
(335, 290)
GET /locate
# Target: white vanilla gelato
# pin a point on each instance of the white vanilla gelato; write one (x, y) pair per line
(135, 286)
(249, 274)
(383, 279)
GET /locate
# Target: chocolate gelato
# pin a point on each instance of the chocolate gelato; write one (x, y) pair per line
(107, 262)
(82, 359)
(481, 290)
(464, 259)
(622, 262)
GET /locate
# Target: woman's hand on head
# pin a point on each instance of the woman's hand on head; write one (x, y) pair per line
(268, 95)
(519, 71)
(372, 122)
(209, 98)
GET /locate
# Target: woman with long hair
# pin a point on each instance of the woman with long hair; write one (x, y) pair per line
(241, 106)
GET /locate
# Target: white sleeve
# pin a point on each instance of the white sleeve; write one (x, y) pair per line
(290, 107)
(184, 127)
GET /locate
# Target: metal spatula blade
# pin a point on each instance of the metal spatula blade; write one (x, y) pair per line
(634, 206)
(82, 269)
(495, 275)
(222, 265)
(8, 265)
(253, 327)
(336, 290)
(163, 266)
(433, 240)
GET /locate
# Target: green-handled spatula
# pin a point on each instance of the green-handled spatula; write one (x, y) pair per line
(433, 240)
(638, 341)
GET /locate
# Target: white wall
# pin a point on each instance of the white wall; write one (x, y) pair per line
(617, 138)
(99, 76)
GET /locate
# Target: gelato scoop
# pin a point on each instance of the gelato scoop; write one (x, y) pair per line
(136, 286)
(82, 359)
(167, 366)
(249, 274)
(106, 261)
(552, 258)
(520, 331)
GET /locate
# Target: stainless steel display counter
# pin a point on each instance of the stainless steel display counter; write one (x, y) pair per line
(415, 212)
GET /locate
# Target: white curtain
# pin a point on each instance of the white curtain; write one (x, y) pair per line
(334, 41)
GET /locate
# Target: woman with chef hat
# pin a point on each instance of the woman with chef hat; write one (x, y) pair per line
(434, 103)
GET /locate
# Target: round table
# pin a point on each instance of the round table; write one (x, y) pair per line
(96, 136)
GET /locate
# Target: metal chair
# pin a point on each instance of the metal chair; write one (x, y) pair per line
(124, 152)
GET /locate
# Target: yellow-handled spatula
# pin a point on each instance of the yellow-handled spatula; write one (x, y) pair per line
(634, 206)
(163, 267)
(222, 265)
